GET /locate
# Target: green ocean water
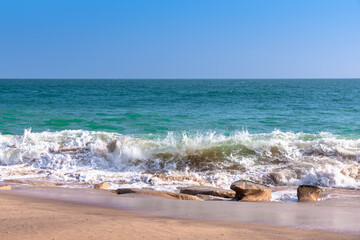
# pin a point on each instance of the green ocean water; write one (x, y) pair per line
(213, 132)
(156, 107)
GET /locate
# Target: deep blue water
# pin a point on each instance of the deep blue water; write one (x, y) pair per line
(156, 107)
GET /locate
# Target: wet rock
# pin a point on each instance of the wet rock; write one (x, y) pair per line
(308, 193)
(111, 146)
(121, 182)
(352, 172)
(210, 198)
(5, 187)
(182, 196)
(68, 150)
(34, 183)
(44, 184)
(154, 193)
(103, 185)
(251, 191)
(127, 190)
(281, 176)
(179, 178)
(218, 192)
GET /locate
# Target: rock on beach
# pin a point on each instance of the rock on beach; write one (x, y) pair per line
(308, 193)
(103, 185)
(251, 191)
(5, 187)
(217, 192)
(179, 196)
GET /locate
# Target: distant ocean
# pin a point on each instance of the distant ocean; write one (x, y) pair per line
(169, 133)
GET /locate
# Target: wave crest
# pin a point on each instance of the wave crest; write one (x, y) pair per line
(278, 158)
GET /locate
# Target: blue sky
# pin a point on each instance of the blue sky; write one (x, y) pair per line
(180, 39)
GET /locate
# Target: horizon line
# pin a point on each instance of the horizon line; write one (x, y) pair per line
(321, 78)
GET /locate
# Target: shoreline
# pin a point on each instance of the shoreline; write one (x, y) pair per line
(25, 217)
(334, 215)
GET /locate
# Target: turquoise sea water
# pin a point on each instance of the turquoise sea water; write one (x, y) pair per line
(280, 132)
(159, 106)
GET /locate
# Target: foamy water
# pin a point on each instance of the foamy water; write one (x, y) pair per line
(210, 159)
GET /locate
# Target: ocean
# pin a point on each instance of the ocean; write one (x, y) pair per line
(165, 134)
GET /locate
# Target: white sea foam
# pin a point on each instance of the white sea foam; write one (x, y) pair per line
(284, 196)
(277, 158)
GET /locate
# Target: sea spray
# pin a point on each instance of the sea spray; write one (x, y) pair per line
(180, 159)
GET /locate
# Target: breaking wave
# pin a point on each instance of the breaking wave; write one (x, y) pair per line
(276, 158)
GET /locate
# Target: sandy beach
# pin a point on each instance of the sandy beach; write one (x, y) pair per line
(175, 119)
(32, 212)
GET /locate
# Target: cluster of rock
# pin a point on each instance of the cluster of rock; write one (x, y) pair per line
(241, 190)
(255, 192)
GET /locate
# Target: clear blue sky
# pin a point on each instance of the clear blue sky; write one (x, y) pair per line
(179, 39)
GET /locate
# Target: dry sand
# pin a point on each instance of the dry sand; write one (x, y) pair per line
(24, 214)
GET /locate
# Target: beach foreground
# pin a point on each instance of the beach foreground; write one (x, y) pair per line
(34, 213)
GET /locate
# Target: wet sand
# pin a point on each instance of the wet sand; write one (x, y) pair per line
(62, 213)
